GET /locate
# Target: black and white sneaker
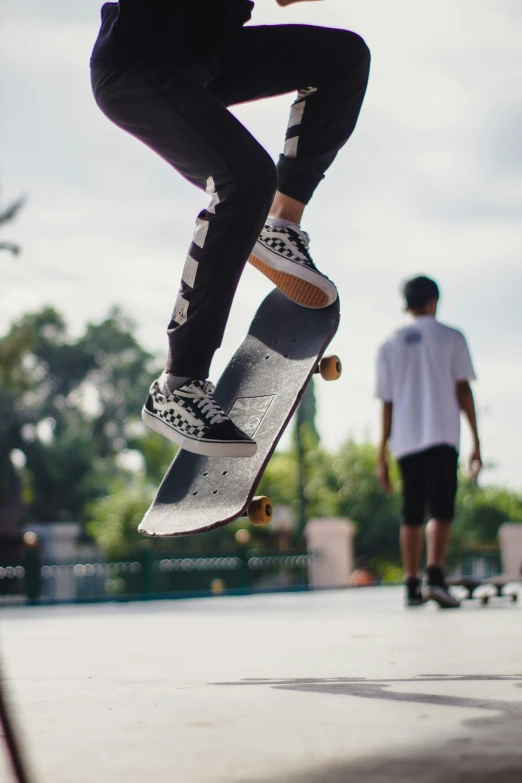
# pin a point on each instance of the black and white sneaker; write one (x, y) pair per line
(190, 417)
(282, 254)
(435, 589)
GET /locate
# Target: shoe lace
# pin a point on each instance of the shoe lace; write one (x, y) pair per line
(203, 397)
(305, 236)
(301, 239)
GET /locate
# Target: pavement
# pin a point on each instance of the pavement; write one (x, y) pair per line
(340, 686)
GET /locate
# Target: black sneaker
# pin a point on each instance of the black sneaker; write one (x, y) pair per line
(435, 589)
(282, 255)
(190, 417)
(414, 595)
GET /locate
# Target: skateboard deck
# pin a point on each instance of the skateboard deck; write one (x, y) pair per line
(496, 583)
(260, 389)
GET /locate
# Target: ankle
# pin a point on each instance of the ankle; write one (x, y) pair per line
(287, 208)
(413, 585)
(279, 222)
(434, 575)
(169, 382)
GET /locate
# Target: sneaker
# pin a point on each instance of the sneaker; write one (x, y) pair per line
(414, 595)
(435, 589)
(282, 255)
(190, 417)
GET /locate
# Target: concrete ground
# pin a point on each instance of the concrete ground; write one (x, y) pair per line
(338, 687)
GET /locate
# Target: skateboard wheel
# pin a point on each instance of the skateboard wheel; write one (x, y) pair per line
(330, 368)
(260, 510)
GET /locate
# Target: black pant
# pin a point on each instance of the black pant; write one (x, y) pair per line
(180, 113)
(429, 484)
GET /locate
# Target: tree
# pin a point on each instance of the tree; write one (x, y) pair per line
(7, 215)
(306, 436)
(72, 446)
(375, 514)
(70, 406)
(480, 513)
(341, 484)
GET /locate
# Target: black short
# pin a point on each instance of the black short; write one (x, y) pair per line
(429, 485)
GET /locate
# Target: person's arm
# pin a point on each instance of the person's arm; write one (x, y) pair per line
(384, 392)
(467, 406)
(383, 471)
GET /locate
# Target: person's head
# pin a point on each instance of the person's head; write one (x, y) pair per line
(421, 295)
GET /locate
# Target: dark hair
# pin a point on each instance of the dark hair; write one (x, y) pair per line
(419, 291)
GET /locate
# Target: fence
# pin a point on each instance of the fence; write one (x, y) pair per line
(479, 566)
(151, 575)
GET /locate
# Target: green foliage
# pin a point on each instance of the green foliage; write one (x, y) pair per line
(345, 484)
(6, 215)
(480, 512)
(279, 481)
(70, 405)
(115, 517)
(157, 454)
(387, 572)
(375, 514)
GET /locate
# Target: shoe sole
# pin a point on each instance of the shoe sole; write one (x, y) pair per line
(300, 291)
(206, 448)
(441, 597)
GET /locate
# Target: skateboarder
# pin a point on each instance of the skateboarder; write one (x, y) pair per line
(165, 71)
(423, 376)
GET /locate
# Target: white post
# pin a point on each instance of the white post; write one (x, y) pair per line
(331, 541)
(510, 537)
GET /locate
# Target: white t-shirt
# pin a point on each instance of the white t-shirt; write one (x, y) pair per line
(417, 369)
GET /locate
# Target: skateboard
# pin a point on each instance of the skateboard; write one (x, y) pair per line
(497, 583)
(260, 389)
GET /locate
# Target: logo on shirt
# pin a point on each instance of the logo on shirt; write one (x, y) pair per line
(412, 338)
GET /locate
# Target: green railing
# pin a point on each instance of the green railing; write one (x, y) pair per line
(155, 574)
(152, 574)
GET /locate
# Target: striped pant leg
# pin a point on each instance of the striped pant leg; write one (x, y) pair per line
(172, 112)
(328, 68)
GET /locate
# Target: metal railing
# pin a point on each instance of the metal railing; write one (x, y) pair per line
(151, 575)
(479, 565)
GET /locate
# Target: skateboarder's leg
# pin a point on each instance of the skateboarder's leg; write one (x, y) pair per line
(329, 69)
(172, 112)
(428, 483)
(437, 541)
(440, 480)
(412, 531)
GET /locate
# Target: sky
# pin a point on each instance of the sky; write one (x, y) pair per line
(431, 182)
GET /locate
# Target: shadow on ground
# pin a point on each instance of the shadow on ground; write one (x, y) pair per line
(489, 748)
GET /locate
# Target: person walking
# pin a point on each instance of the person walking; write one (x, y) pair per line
(424, 372)
(166, 72)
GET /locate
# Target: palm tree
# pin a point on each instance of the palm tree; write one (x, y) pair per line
(6, 215)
